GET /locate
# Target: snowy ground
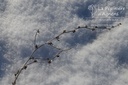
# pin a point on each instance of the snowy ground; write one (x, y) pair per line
(96, 58)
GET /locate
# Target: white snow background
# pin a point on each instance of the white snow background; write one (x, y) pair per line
(96, 58)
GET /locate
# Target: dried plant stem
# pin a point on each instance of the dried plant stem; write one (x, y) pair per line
(49, 42)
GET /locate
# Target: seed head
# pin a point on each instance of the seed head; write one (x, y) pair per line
(50, 43)
(93, 29)
(74, 31)
(78, 26)
(64, 31)
(25, 67)
(57, 56)
(50, 61)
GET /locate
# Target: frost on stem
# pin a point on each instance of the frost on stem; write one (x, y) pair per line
(32, 59)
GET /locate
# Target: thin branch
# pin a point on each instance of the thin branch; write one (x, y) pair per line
(37, 32)
(32, 59)
(93, 28)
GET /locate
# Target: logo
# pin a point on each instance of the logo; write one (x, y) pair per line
(102, 11)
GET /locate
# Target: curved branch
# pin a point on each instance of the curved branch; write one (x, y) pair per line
(49, 42)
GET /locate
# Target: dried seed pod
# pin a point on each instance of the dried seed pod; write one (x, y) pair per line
(50, 61)
(96, 26)
(32, 58)
(86, 26)
(74, 31)
(78, 27)
(57, 56)
(112, 26)
(120, 24)
(93, 29)
(38, 31)
(109, 28)
(13, 83)
(57, 38)
(36, 46)
(104, 27)
(64, 31)
(15, 74)
(35, 61)
(50, 43)
(25, 67)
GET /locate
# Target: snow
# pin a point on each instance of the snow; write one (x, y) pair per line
(96, 58)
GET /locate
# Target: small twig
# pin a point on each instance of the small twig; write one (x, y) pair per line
(58, 54)
(93, 28)
(32, 59)
(35, 61)
(37, 32)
